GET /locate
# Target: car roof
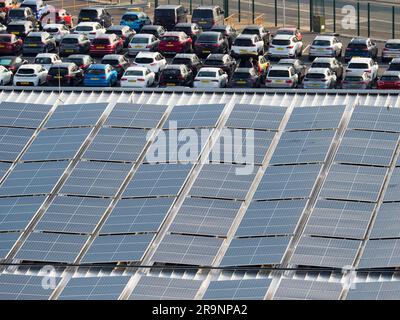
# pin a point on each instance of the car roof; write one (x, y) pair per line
(393, 41)
(137, 68)
(31, 66)
(324, 37)
(72, 35)
(209, 69)
(360, 59)
(323, 59)
(184, 55)
(132, 13)
(62, 65)
(215, 56)
(252, 26)
(97, 66)
(168, 6)
(395, 60)
(53, 25)
(206, 7)
(117, 27)
(174, 34)
(104, 36)
(72, 56)
(288, 28)
(142, 35)
(219, 26)
(359, 40)
(317, 70)
(243, 70)
(151, 27)
(46, 55)
(112, 56)
(283, 37)
(174, 66)
(287, 61)
(280, 67)
(391, 73)
(147, 54)
(246, 36)
(36, 33)
(185, 24)
(87, 23)
(20, 22)
(210, 33)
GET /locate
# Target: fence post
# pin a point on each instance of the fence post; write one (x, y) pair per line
(298, 14)
(334, 16)
(253, 9)
(276, 13)
(311, 15)
(190, 6)
(369, 18)
(393, 22)
(358, 18)
(239, 9)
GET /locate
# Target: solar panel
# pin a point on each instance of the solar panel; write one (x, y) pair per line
(7, 241)
(381, 254)
(56, 144)
(117, 248)
(28, 115)
(185, 249)
(137, 215)
(195, 116)
(223, 181)
(287, 182)
(16, 212)
(73, 214)
(12, 141)
(51, 247)
(135, 115)
(205, 216)
(264, 218)
(387, 222)
(298, 289)
(92, 178)
(302, 147)
(367, 147)
(157, 180)
(244, 289)
(33, 178)
(76, 115)
(340, 219)
(351, 182)
(393, 188)
(94, 288)
(375, 118)
(25, 287)
(321, 117)
(117, 144)
(384, 290)
(253, 116)
(325, 252)
(158, 288)
(4, 168)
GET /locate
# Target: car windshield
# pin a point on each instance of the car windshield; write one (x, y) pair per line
(5, 39)
(15, 28)
(250, 31)
(33, 40)
(91, 14)
(187, 30)
(358, 66)
(394, 67)
(137, 73)
(280, 42)
(392, 45)
(117, 32)
(159, 13)
(207, 38)
(285, 31)
(172, 72)
(213, 62)
(33, 7)
(51, 30)
(101, 41)
(208, 74)
(84, 28)
(77, 61)
(95, 71)
(144, 60)
(43, 60)
(58, 71)
(353, 79)
(112, 62)
(320, 65)
(69, 41)
(315, 76)
(169, 38)
(241, 75)
(322, 43)
(2, 5)
(181, 61)
(278, 73)
(202, 14)
(139, 40)
(17, 14)
(129, 17)
(389, 78)
(357, 46)
(26, 71)
(243, 43)
(5, 61)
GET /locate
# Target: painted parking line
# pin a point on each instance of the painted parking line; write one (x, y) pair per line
(306, 48)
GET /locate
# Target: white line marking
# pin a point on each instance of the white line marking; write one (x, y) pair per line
(304, 51)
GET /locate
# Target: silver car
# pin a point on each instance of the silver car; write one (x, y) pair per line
(357, 81)
(325, 46)
(142, 42)
(319, 78)
(281, 76)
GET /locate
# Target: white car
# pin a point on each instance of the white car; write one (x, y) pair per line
(359, 81)
(391, 50)
(319, 78)
(5, 76)
(361, 65)
(281, 76)
(47, 59)
(325, 46)
(154, 61)
(138, 77)
(285, 46)
(30, 75)
(142, 42)
(90, 29)
(247, 44)
(210, 78)
(57, 30)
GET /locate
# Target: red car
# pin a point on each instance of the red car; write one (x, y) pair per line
(175, 42)
(389, 80)
(106, 44)
(10, 44)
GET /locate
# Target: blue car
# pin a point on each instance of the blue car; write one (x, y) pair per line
(100, 75)
(135, 20)
(361, 47)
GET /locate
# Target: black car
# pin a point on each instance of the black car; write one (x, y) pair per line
(331, 63)
(263, 33)
(191, 29)
(245, 78)
(118, 61)
(66, 73)
(191, 60)
(299, 67)
(223, 61)
(74, 43)
(210, 42)
(124, 32)
(12, 63)
(169, 15)
(228, 31)
(155, 30)
(83, 61)
(95, 14)
(176, 75)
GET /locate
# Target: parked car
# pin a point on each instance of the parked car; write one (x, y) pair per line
(142, 42)
(74, 43)
(245, 77)
(285, 46)
(361, 47)
(157, 31)
(22, 14)
(47, 59)
(37, 42)
(191, 60)
(95, 14)
(360, 65)
(90, 29)
(192, 30)
(247, 45)
(154, 61)
(210, 78)
(106, 44)
(169, 15)
(208, 16)
(290, 31)
(5, 76)
(20, 28)
(135, 20)
(30, 75)
(299, 67)
(389, 80)
(83, 61)
(124, 32)
(281, 76)
(260, 64)
(360, 81)
(176, 75)
(138, 77)
(174, 42)
(118, 61)
(10, 44)
(391, 50)
(58, 31)
(12, 63)
(261, 31)
(394, 65)
(100, 75)
(65, 74)
(332, 63)
(210, 42)
(319, 78)
(37, 7)
(223, 61)
(227, 31)
(325, 46)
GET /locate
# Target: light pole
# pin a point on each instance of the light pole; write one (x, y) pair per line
(284, 13)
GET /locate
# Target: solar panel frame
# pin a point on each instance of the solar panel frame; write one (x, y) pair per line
(13, 141)
(375, 118)
(25, 115)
